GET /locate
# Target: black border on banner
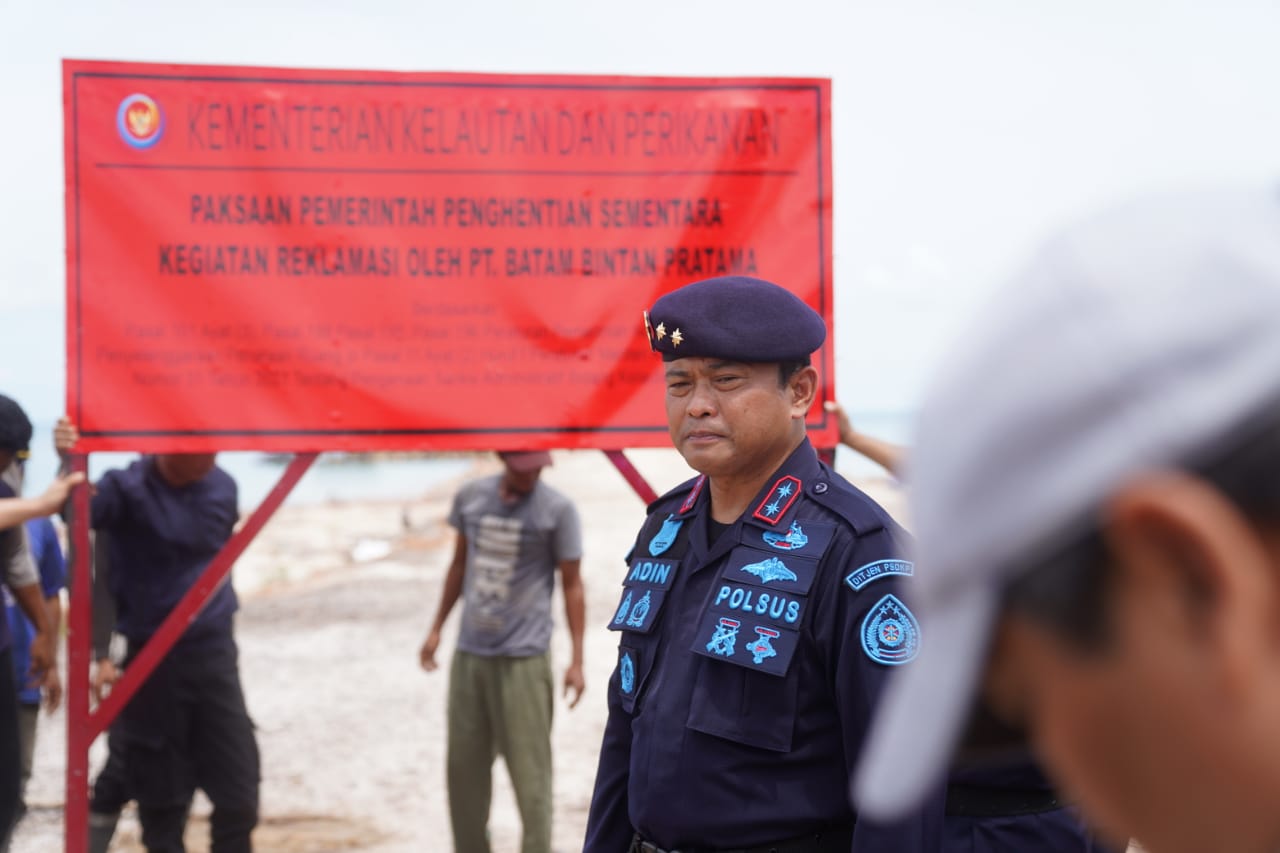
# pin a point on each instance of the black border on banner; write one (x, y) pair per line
(825, 350)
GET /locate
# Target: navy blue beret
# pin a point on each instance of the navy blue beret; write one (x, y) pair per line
(736, 318)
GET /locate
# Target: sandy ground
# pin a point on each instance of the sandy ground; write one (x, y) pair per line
(335, 602)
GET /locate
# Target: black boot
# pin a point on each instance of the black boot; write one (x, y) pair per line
(101, 828)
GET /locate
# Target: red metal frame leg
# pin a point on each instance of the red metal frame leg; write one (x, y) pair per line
(632, 476)
(186, 610)
(79, 642)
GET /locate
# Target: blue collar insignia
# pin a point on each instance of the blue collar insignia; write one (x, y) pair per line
(667, 535)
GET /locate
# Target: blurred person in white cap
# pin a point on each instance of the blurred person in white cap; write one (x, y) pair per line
(1095, 488)
(1007, 807)
(513, 533)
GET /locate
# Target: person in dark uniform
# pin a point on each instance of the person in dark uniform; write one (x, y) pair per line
(761, 606)
(187, 727)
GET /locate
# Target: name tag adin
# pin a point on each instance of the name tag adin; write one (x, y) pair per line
(643, 592)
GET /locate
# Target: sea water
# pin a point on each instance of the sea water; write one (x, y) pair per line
(889, 426)
(372, 478)
(336, 478)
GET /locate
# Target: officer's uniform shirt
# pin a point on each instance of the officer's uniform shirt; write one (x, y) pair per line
(747, 668)
(161, 538)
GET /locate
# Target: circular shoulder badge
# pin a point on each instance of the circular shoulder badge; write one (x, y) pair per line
(890, 633)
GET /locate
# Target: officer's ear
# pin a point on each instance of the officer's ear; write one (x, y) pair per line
(1196, 572)
(802, 389)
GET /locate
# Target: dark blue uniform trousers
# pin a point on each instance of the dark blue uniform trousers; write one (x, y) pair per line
(10, 766)
(187, 727)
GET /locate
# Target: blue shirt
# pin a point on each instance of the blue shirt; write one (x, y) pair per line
(161, 537)
(747, 669)
(46, 551)
(6, 634)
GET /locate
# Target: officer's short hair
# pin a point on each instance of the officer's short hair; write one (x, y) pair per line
(787, 369)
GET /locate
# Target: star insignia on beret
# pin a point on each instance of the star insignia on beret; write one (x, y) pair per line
(661, 331)
(676, 338)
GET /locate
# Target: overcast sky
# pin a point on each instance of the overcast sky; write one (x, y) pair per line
(963, 131)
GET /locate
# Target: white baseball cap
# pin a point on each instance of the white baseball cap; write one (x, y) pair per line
(1132, 341)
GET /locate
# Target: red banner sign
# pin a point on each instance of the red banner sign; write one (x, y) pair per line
(311, 260)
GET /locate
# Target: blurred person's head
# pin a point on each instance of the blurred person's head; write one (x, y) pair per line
(183, 469)
(521, 470)
(737, 369)
(1096, 495)
(15, 440)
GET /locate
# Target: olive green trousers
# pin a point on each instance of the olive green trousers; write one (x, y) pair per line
(499, 706)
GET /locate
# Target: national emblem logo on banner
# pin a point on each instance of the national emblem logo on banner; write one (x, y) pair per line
(140, 121)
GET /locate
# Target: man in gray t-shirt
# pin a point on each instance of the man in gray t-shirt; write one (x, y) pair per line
(514, 531)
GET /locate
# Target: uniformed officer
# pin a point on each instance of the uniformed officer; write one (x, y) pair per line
(761, 606)
(167, 516)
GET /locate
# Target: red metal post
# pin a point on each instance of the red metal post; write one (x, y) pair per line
(634, 477)
(90, 724)
(79, 642)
